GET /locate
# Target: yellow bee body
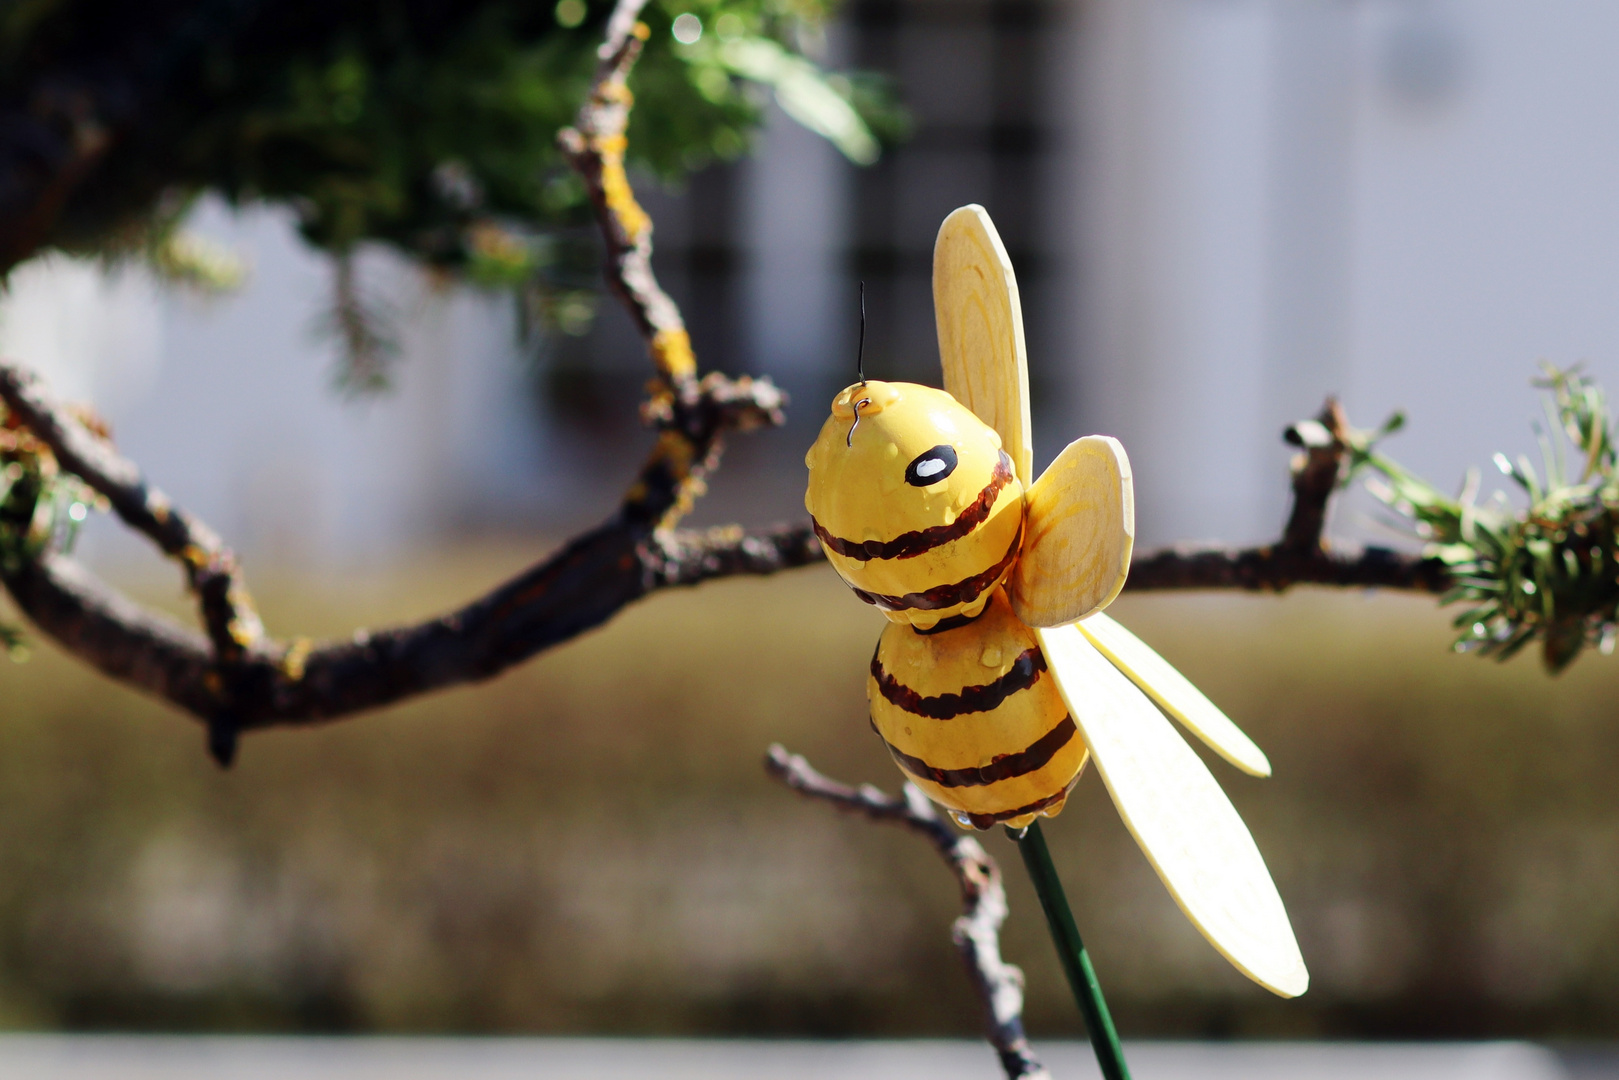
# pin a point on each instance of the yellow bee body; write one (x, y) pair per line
(920, 513)
(917, 507)
(970, 712)
(999, 677)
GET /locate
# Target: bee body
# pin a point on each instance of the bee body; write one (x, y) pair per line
(920, 511)
(969, 711)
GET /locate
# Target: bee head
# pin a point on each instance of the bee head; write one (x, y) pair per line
(917, 507)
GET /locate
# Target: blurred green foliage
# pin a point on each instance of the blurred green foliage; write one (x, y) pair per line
(425, 125)
(590, 844)
(1548, 571)
(411, 122)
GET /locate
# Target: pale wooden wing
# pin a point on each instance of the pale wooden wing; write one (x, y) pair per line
(980, 323)
(1184, 823)
(1079, 525)
(1175, 692)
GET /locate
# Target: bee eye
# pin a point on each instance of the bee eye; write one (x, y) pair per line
(931, 466)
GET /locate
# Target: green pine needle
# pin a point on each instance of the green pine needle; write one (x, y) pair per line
(1545, 571)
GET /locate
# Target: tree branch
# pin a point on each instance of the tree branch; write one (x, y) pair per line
(580, 587)
(1302, 556)
(212, 572)
(1188, 567)
(595, 148)
(999, 985)
(237, 678)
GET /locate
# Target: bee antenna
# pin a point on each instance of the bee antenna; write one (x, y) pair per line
(860, 356)
(859, 368)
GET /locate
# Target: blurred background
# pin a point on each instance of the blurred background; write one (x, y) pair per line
(1219, 212)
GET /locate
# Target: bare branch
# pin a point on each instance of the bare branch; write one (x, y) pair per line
(114, 634)
(1316, 476)
(239, 679)
(689, 558)
(977, 932)
(299, 682)
(595, 148)
(1302, 556)
(232, 622)
(1269, 569)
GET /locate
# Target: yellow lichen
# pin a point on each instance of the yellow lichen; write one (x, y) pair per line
(672, 353)
(292, 663)
(616, 190)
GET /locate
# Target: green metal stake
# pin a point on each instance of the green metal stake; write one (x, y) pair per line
(1076, 962)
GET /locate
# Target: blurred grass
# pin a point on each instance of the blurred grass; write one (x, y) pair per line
(589, 843)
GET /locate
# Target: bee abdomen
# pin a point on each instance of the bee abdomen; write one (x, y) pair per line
(970, 714)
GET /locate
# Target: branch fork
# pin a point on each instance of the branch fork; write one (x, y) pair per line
(1302, 556)
(236, 678)
(976, 932)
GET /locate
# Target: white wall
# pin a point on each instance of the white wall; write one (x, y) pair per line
(1402, 201)
(228, 405)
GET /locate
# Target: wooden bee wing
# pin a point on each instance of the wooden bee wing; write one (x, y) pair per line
(1184, 823)
(1175, 692)
(980, 324)
(1079, 526)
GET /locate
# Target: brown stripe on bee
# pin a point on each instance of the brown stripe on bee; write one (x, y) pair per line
(953, 622)
(943, 596)
(1002, 767)
(1024, 673)
(911, 544)
(984, 821)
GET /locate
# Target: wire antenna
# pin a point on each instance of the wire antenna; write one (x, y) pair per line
(859, 368)
(860, 355)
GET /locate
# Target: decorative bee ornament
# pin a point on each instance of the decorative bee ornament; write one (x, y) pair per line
(998, 677)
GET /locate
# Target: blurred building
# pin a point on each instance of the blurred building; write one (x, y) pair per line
(1408, 202)
(1220, 211)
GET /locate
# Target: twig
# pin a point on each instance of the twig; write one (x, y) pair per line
(1302, 555)
(578, 588)
(232, 622)
(595, 148)
(1267, 569)
(977, 931)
